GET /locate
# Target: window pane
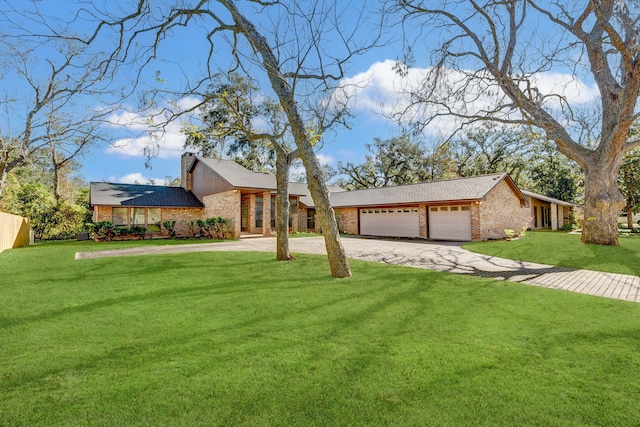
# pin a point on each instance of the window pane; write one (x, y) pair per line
(259, 211)
(137, 217)
(119, 216)
(153, 219)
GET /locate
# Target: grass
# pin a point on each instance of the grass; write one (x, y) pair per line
(239, 339)
(566, 250)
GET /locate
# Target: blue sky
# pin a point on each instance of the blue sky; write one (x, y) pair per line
(180, 58)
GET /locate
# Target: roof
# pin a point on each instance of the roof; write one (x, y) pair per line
(302, 189)
(111, 194)
(240, 177)
(547, 199)
(237, 175)
(471, 188)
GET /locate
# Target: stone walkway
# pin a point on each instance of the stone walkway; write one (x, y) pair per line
(440, 256)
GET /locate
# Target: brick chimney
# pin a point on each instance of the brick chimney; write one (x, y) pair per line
(185, 178)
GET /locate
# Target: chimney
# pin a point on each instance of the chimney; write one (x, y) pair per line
(185, 178)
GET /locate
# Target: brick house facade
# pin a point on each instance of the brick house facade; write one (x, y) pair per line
(474, 208)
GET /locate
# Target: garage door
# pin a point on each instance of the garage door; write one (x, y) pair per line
(450, 223)
(396, 222)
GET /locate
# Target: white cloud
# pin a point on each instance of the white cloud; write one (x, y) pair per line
(153, 131)
(324, 159)
(167, 145)
(382, 91)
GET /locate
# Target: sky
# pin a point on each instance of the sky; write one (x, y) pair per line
(374, 84)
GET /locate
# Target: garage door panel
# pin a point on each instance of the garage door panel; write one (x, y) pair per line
(396, 222)
(450, 223)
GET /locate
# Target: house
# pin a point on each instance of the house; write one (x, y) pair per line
(474, 208)
(144, 205)
(547, 212)
(463, 209)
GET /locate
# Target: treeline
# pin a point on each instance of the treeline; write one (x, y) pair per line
(532, 161)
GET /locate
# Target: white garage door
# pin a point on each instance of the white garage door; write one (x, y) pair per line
(450, 223)
(395, 222)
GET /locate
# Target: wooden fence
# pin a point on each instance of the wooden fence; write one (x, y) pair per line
(15, 231)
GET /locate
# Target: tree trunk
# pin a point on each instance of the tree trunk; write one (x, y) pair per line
(602, 204)
(282, 208)
(338, 263)
(630, 218)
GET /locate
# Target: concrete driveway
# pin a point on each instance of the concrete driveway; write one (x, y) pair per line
(439, 256)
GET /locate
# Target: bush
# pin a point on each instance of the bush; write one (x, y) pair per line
(170, 226)
(103, 230)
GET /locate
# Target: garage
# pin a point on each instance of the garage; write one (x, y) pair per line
(450, 223)
(396, 222)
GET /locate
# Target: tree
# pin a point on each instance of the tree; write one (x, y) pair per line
(233, 106)
(554, 175)
(492, 148)
(629, 181)
(494, 59)
(46, 113)
(299, 69)
(392, 161)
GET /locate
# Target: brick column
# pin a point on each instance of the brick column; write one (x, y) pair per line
(266, 213)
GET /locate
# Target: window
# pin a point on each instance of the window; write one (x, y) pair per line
(370, 211)
(390, 210)
(153, 220)
(454, 208)
(311, 219)
(414, 209)
(138, 217)
(464, 208)
(364, 211)
(434, 209)
(405, 210)
(273, 212)
(259, 210)
(444, 208)
(119, 217)
(377, 211)
(384, 211)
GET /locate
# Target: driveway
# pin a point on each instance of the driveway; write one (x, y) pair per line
(440, 256)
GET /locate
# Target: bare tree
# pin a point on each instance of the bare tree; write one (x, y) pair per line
(44, 110)
(291, 49)
(492, 62)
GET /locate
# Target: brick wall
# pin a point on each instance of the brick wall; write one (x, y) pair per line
(501, 210)
(182, 216)
(347, 219)
(422, 215)
(226, 205)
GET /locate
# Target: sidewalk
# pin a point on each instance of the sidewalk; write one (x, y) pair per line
(438, 256)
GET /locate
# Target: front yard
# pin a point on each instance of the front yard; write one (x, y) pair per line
(565, 250)
(239, 339)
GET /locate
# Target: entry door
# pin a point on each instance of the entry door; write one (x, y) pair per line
(450, 223)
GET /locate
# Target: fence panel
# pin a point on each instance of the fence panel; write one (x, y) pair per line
(15, 231)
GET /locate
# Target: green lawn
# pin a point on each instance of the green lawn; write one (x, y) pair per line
(239, 339)
(565, 250)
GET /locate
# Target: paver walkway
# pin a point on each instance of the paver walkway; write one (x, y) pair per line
(439, 256)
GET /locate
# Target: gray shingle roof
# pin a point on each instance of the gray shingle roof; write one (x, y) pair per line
(111, 194)
(241, 177)
(547, 199)
(305, 195)
(237, 175)
(472, 188)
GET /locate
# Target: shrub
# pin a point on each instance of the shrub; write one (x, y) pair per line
(170, 226)
(103, 230)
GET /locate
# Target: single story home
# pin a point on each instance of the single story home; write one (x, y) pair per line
(128, 205)
(473, 208)
(547, 212)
